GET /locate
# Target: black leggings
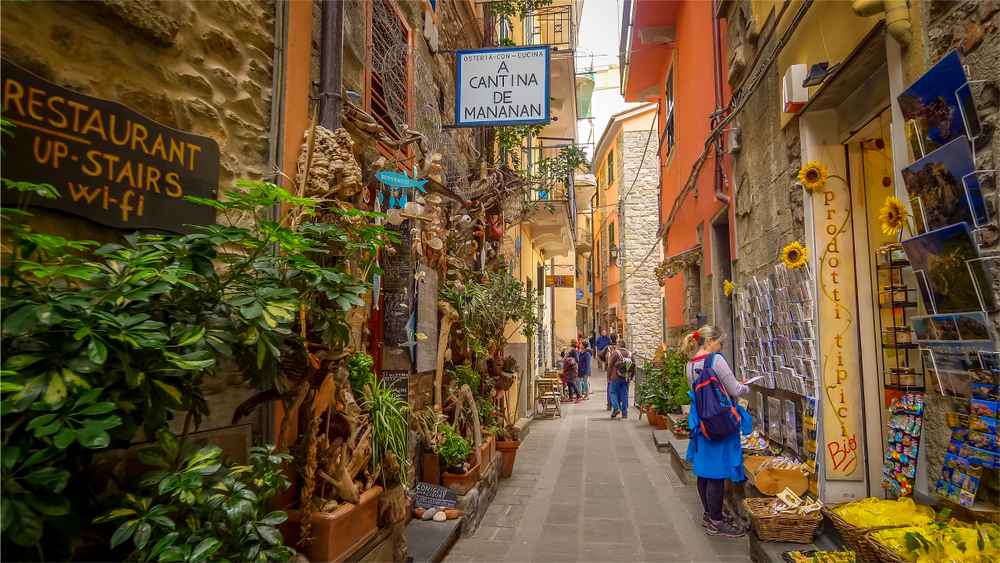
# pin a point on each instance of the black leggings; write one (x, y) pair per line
(712, 492)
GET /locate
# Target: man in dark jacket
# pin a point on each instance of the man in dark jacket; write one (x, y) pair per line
(619, 378)
(571, 371)
(584, 369)
(600, 344)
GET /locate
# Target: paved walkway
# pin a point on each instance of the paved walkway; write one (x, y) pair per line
(589, 488)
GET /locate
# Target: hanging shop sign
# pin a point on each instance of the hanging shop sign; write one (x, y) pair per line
(838, 335)
(579, 295)
(109, 163)
(559, 281)
(503, 87)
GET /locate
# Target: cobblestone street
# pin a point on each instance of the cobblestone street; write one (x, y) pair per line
(589, 488)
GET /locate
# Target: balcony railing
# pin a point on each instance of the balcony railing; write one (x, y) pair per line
(584, 238)
(551, 25)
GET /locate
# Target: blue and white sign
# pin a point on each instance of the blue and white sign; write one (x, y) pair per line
(507, 86)
(579, 295)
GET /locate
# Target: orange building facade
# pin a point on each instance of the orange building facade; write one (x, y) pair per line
(669, 57)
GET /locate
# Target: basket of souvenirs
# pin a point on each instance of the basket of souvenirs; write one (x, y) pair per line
(785, 518)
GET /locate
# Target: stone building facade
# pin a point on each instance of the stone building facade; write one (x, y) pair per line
(770, 211)
(200, 67)
(640, 291)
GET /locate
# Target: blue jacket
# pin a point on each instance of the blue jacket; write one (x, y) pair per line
(602, 342)
(714, 459)
(584, 363)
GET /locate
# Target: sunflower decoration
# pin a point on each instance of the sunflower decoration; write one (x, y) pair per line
(728, 287)
(813, 176)
(794, 255)
(893, 216)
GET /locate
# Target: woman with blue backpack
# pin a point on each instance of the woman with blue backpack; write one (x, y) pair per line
(716, 423)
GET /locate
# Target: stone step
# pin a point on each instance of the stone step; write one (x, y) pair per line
(677, 448)
(428, 541)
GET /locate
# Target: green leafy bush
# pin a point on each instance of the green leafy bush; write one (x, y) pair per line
(386, 410)
(454, 449)
(194, 507)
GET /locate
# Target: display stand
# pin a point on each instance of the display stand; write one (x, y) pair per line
(902, 367)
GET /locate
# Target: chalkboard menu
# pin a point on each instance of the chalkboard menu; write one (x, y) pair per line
(432, 496)
(400, 381)
(398, 310)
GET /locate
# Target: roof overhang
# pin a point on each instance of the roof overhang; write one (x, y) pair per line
(650, 29)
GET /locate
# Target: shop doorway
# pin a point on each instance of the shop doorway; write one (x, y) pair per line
(886, 289)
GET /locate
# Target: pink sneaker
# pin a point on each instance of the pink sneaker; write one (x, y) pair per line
(578, 399)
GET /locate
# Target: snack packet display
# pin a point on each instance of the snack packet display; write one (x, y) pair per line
(822, 556)
(951, 542)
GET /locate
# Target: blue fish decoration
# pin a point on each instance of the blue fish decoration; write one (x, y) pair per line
(400, 180)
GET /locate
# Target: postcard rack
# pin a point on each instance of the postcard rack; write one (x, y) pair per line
(902, 364)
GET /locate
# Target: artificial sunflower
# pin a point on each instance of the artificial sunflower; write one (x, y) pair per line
(813, 176)
(728, 287)
(893, 216)
(794, 255)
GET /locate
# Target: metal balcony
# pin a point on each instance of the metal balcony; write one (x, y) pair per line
(584, 240)
(551, 26)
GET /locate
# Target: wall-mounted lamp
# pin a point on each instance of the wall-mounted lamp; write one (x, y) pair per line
(817, 74)
(614, 254)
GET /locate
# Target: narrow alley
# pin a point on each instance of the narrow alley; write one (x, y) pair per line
(590, 488)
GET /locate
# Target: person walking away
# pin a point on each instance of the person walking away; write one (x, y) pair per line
(621, 371)
(571, 374)
(612, 346)
(716, 456)
(591, 339)
(583, 368)
(601, 345)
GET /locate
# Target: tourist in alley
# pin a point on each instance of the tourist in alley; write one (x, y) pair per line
(584, 369)
(571, 374)
(715, 457)
(621, 370)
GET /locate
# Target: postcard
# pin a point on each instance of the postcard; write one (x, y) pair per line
(982, 441)
(980, 457)
(942, 487)
(935, 381)
(966, 499)
(955, 446)
(954, 493)
(958, 355)
(958, 478)
(947, 185)
(985, 409)
(946, 281)
(984, 392)
(990, 361)
(973, 326)
(960, 434)
(956, 463)
(946, 387)
(924, 328)
(945, 327)
(946, 473)
(934, 104)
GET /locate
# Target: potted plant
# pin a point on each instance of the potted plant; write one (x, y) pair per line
(683, 428)
(454, 452)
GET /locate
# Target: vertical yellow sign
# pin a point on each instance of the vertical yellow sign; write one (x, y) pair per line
(838, 344)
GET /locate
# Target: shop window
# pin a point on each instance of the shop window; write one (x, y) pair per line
(390, 80)
(668, 112)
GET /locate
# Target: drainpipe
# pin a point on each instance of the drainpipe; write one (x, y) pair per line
(331, 59)
(897, 16)
(719, 108)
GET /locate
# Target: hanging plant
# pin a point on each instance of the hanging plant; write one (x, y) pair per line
(813, 176)
(794, 255)
(893, 216)
(727, 288)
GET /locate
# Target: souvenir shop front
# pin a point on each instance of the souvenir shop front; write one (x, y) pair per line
(874, 339)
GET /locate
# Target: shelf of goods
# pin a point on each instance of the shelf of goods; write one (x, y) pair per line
(902, 364)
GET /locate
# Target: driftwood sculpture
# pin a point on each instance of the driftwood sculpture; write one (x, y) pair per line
(450, 316)
(465, 399)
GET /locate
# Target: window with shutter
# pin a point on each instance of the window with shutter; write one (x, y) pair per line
(389, 76)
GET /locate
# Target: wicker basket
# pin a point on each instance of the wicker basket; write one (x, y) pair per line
(504, 381)
(880, 551)
(854, 536)
(781, 527)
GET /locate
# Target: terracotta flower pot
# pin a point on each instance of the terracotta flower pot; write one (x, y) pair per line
(461, 484)
(681, 435)
(661, 421)
(651, 416)
(486, 449)
(338, 534)
(432, 469)
(508, 449)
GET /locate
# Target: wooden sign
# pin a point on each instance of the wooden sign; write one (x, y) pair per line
(559, 281)
(840, 361)
(108, 162)
(427, 318)
(432, 496)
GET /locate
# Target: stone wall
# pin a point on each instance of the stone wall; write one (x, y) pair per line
(201, 67)
(641, 298)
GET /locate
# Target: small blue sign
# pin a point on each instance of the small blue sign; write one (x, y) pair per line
(400, 180)
(579, 294)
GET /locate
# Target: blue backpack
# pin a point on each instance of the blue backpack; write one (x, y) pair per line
(718, 417)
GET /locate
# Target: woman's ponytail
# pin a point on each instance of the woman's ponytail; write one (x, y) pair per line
(694, 341)
(690, 344)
